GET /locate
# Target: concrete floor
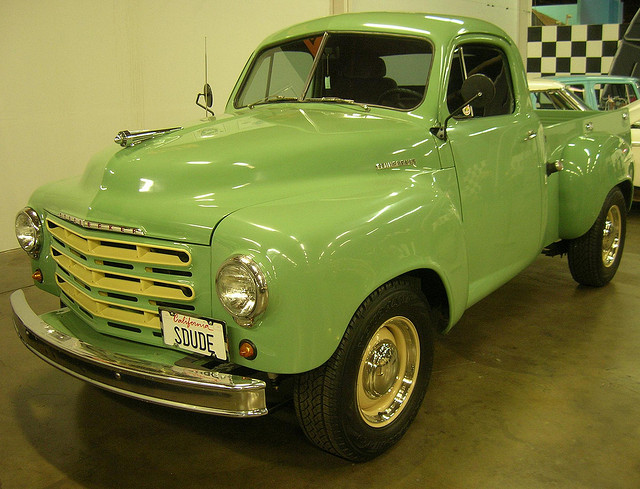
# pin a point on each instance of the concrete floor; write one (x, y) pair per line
(537, 387)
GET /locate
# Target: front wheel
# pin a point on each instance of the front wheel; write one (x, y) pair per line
(363, 399)
(595, 256)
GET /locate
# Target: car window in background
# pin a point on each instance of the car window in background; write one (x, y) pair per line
(557, 99)
(614, 95)
(578, 90)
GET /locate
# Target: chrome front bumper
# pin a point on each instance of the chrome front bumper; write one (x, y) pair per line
(172, 385)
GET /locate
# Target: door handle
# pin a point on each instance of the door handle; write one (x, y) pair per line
(531, 135)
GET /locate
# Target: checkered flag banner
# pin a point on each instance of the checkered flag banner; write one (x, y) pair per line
(572, 49)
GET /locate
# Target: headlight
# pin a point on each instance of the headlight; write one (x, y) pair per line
(29, 231)
(242, 289)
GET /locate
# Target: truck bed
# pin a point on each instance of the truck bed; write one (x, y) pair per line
(577, 139)
(561, 126)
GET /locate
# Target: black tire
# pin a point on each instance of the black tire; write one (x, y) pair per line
(595, 256)
(338, 404)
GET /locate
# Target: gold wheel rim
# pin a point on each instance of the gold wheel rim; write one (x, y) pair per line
(611, 236)
(388, 371)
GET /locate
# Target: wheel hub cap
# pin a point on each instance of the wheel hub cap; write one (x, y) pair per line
(611, 236)
(388, 370)
(380, 370)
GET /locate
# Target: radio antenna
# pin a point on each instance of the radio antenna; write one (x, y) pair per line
(207, 93)
(206, 63)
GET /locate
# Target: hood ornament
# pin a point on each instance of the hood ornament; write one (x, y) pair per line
(131, 138)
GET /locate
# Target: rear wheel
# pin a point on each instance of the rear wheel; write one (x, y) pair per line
(363, 399)
(595, 256)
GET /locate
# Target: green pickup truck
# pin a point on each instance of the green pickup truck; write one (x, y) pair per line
(373, 176)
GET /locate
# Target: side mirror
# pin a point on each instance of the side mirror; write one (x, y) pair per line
(207, 93)
(477, 91)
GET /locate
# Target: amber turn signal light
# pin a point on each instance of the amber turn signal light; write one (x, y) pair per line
(37, 276)
(248, 350)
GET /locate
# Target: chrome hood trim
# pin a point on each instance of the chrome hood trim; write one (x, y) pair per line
(131, 138)
(101, 226)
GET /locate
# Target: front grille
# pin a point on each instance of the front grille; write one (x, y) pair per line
(118, 285)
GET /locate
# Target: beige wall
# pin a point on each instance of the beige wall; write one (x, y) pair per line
(74, 72)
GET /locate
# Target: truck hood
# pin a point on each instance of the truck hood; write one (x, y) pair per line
(180, 185)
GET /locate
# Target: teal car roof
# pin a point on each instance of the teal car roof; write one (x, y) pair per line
(593, 79)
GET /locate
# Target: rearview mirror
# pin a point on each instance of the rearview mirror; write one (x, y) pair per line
(207, 93)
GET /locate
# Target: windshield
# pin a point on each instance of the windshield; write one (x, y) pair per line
(389, 71)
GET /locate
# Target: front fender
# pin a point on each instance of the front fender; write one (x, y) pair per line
(593, 165)
(323, 255)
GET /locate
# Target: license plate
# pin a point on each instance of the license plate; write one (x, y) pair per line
(194, 334)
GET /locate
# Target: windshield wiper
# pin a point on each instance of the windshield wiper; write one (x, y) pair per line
(273, 98)
(338, 100)
(334, 100)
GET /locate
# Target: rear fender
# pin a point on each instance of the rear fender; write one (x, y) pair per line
(593, 165)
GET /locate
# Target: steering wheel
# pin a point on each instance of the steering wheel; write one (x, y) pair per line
(401, 98)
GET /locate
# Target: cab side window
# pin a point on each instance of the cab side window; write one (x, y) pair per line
(469, 59)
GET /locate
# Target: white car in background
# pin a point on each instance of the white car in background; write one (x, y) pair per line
(551, 95)
(634, 117)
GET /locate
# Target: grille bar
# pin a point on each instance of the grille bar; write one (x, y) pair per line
(118, 284)
(119, 250)
(106, 310)
(127, 284)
